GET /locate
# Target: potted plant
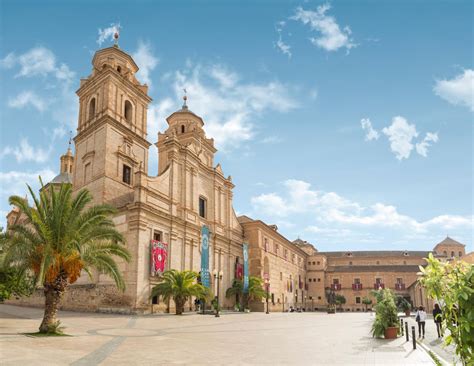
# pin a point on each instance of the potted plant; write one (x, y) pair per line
(405, 306)
(386, 316)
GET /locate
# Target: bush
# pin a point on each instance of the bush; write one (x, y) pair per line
(386, 314)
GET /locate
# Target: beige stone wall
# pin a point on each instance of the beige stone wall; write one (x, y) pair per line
(267, 259)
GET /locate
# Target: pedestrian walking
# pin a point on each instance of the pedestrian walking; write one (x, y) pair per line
(420, 318)
(438, 317)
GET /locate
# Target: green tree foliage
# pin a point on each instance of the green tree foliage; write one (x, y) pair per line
(62, 235)
(256, 292)
(386, 314)
(180, 286)
(340, 300)
(452, 285)
(366, 301)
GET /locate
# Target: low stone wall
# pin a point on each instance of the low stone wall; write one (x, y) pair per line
(90, 297)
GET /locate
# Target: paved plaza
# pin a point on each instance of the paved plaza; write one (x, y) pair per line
(192, 339)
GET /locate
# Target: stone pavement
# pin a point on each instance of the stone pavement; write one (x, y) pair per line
(232, 339)
(432, 342)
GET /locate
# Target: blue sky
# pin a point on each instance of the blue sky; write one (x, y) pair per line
(348, 124)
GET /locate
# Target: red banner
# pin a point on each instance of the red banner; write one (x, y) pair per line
(159, 253)
(239, 271)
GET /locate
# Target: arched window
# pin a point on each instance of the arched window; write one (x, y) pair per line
(445, 253)
(460, 254)
(452, 254)
(182, 129)
(128, 111)
(92, 108)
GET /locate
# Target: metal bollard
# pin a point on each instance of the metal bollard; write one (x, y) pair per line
(401, 326)
(413, 336)
(406, 331)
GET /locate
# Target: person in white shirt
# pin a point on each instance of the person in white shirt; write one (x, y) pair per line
(420, 318)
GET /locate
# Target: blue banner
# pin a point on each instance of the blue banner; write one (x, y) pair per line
(205, 277)
(246, 268)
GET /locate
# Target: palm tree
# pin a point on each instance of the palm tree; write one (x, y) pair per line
(236, 290)
(255, 291)
(180, 286)
(60, 236)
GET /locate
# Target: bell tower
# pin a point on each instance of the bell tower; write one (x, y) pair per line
(111, 136)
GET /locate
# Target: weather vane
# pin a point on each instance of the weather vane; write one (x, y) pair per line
(116, 37)
(185, 98)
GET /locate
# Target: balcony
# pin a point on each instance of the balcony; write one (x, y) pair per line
(336, 287)
(400, 286)
(356, 286)
(379, 286)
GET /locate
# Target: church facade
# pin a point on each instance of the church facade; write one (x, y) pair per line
(190, 192)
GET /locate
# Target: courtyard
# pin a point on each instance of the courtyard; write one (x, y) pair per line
(192, 339)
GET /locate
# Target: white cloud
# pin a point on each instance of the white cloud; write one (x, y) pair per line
(331, 36)
(401, 134)
(108, 33)
(38, 61)
(228, 105)
(271, 140)
(27, 98)
(14, 182)
(280, 45)
(459, 90)
(146, 61)
(370, 133)
(57, 94)
(330, 210)
(422, 147)
(26, 152)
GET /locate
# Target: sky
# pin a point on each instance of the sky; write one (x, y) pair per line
(347, 124)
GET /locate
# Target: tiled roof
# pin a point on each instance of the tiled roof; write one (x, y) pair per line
(449, 241)
(377, 253)
(62, 178)
(375, 268)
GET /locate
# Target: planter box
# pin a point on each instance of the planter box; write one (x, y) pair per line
(391, 333)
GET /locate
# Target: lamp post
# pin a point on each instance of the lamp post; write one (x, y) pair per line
(312, 303)
(267, 288)
(305, 303)
(218, 278)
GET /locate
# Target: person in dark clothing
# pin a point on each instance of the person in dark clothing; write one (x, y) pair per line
(437, 317)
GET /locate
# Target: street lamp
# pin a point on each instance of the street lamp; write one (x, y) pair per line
(267, 288)
(218, 278)
(305, 302)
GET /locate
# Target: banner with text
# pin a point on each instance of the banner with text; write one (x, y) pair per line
(205, 277)
(159, 252)
(246, 268)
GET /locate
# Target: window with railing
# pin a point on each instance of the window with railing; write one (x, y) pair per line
(357, 285)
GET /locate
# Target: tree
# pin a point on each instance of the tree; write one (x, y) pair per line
(340, 300)
(236, 290)
(180, 286)
(366, 301)
(452, 285)
(62, 235)
(386, 315)
(256, 292)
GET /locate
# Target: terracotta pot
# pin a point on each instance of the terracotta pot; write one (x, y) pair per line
(407, 312)
(391, 333)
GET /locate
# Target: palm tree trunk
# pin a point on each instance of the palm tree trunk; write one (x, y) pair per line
(179, 306)
(53, 293)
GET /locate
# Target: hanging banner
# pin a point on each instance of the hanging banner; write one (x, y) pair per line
(205, 277)
(246, 267)
(239, 271)
(159, 252)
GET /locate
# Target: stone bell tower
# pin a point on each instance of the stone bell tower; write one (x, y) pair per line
(111, 136)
